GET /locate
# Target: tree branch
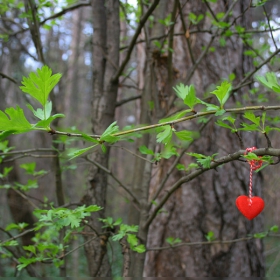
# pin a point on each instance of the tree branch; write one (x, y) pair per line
(134, 39)
(196, 173)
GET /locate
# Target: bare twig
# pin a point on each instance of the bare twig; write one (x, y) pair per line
(134, 39)
(270, 29)
(109, 172)
(9, 78)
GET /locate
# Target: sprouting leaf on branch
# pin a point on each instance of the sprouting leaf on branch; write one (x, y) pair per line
(184, 135)
(77, 152)
(165, 135)
(270, 81)
(14, 120)
(204, 161)
(251, 116)
(145, 151)
(107, 135)
(222, 92)
(187, 93)
(231, 126)
(39, 84)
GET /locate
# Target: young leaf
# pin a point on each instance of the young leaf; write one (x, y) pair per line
(222, 92)
(39, 84)
(270, 81)
(139, 249)
(144, 150)
(184, 135)
(16, 120)
(107, 134)
(40, 113)
(251, 116)
(165, 135)
(79, 152)
(187, 93)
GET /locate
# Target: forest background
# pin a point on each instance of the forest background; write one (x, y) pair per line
(203, 74)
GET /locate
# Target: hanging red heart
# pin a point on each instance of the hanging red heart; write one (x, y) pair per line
(249, 210)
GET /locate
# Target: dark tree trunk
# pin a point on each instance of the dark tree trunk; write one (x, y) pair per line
(105, 64)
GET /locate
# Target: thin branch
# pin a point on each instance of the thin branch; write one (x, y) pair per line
(45, 150)
(196, 173)
(4, 76)
(18, 235)
(270, 29)
(241, 84)
(186, 32)
(54, 16)
(134, 39)
(199, 243)
(210, 31)
(109, 172)
(187, 118)
(121, 102)
(134, 154)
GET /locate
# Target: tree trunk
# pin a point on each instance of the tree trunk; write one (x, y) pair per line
(105, 63)
(208, 202)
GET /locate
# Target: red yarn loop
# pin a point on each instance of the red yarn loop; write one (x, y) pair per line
(255, 164)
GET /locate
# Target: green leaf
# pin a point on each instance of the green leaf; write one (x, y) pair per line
(78, 152)
(15, 122)
(30, 248)
(210, 236)
(270, 81)
(184, 135)
(144, 150)
(165, 135)
(46, 123)
(6, 171)
(251, 116)
(225, 125)
(92, 208)
(132, 240)
(260, 235)
(187, 93)
(39, 84)
(139, 249)
(274, 228)
(222, 92)
(107, 134)
(40, 113)
(90, 139)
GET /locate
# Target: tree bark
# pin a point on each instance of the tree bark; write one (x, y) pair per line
(208, 202)
(105, 63)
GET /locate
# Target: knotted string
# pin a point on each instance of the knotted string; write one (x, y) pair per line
(254, 165)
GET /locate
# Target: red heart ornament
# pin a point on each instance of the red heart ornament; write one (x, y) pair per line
(249, 210)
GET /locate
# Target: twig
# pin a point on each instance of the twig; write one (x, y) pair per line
(241, 84)
(270, 29)
(187, 32)
(121, 102)
(9, 78)
(187, 118)
(199, 243)
(134, 154)
(109, 172)
(19, 235)
(134, 38)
